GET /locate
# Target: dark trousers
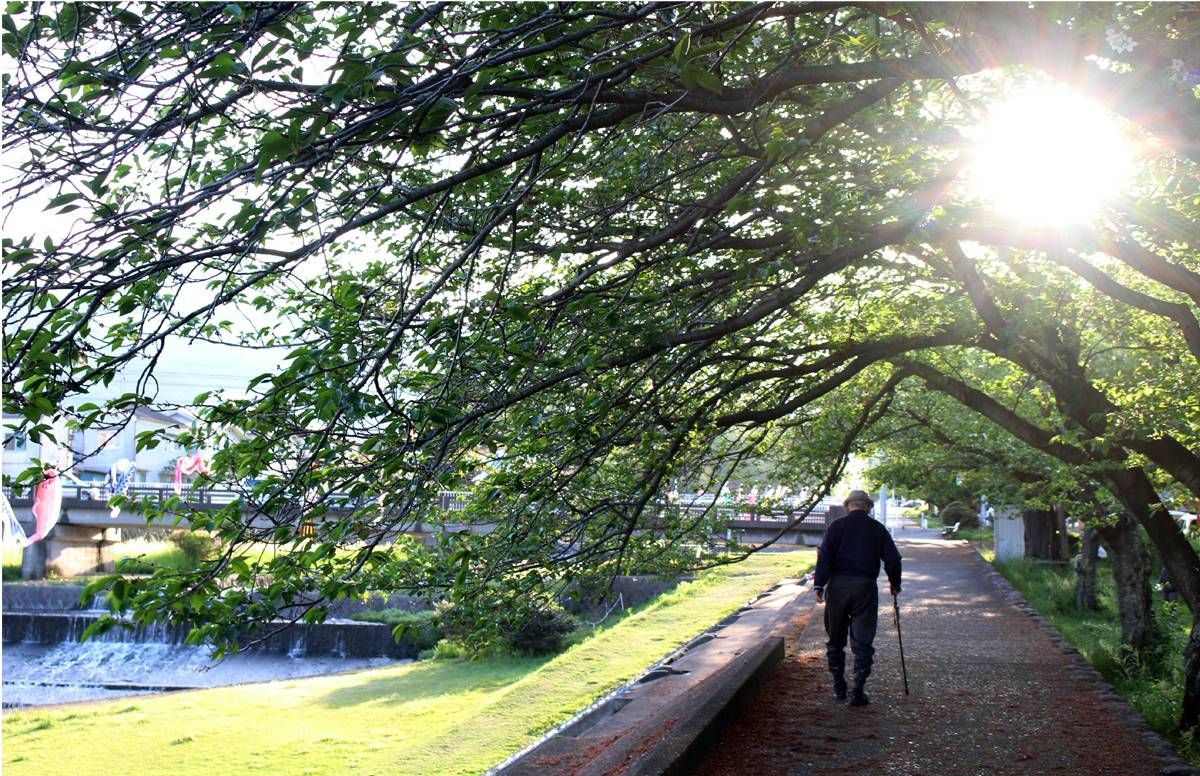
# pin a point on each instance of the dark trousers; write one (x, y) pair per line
(851, 609)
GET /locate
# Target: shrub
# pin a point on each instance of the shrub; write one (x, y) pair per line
(456, 623)
(535, 628)
(419, 628)
(958, 512)
(197, 546)
(446, 650)
(540, 630)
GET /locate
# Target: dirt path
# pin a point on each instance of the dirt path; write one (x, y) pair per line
(992, 692)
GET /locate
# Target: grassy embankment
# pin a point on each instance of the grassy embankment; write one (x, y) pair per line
(438, 716)
(1155, 692)
(161, 553)
(12, 563)
(148, 553)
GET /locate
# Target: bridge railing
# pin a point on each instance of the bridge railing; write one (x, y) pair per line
(743, 513)
(75, 495)
(96, 497)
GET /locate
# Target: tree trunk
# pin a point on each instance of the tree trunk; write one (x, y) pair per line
(1190, 717)
(1085, 571)
(1042, 535)
(1060, 527)
(1131, 573)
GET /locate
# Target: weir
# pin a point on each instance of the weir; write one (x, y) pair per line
(46, 662)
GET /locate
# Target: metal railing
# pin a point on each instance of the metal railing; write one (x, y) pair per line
(97, 496)
(744, 513)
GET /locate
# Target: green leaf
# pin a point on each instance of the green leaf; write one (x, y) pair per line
(11, 45)
(101, 626)
(688, 76)
(681, 48)
(68, 18)
(222, 64)
(696, 78)
(274, 145)
(710, 81)
(91, 588)
(62, 199)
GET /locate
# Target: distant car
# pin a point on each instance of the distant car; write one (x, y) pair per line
(1184, 520)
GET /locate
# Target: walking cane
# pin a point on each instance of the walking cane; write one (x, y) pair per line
(903, 668)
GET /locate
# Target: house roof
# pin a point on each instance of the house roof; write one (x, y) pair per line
(175, 418)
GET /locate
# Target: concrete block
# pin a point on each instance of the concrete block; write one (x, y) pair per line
(71, 550)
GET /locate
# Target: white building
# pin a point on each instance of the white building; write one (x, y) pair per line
(184, 370)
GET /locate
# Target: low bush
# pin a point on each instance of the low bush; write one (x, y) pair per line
(447, 650)
(537, 629)
(197, 546)
(456, 623)
(540, 630)
(958, 512)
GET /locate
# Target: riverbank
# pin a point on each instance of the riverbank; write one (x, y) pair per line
(434, 716)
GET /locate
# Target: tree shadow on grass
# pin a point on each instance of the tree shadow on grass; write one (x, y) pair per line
(431, 679)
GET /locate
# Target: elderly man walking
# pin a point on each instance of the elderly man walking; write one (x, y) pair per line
(847, 569)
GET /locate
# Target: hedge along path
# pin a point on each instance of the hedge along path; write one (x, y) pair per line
(457, 716)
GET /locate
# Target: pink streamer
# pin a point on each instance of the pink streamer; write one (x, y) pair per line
(188, 464)
(47, 505)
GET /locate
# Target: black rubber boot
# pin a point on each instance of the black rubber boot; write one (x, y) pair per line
(857, 696)
(837, 667)
(839, 686)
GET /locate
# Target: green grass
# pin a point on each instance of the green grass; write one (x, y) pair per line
(148, 554)
(980, 536)
(434, 716)
(12, 563)
(1152, 684)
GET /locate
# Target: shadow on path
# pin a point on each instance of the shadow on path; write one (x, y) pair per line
(991, 693)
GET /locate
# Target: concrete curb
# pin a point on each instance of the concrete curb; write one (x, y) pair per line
(1177, 766)
(664, 722)
(675, 740)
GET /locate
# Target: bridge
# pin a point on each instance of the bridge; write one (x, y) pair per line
(89, 530)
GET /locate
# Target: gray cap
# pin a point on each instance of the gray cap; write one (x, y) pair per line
(860, 496)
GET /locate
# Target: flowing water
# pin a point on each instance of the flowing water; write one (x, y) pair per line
(38, 674)
(44, 661)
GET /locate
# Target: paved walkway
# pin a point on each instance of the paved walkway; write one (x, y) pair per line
(992, 692)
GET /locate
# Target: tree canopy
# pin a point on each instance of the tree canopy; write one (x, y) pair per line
(570, 254)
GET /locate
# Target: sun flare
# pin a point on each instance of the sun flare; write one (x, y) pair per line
(1048, 158)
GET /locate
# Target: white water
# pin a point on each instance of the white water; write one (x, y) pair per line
(36, 674)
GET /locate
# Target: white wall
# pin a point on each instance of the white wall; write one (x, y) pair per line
(53, 453)
(1008, 528)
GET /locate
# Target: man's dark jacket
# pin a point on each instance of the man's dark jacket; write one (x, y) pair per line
(853, 547)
